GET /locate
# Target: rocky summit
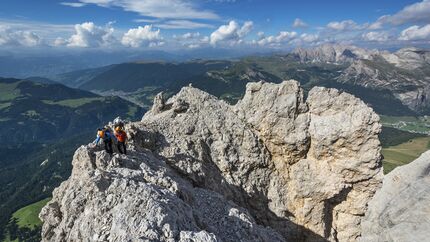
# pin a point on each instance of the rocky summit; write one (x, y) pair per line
(274, 167)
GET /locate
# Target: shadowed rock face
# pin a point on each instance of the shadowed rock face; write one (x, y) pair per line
(274, 167)
(400, 211)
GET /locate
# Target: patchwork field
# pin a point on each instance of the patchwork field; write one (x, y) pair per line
(404, 153)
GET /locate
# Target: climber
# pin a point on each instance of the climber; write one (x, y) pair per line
(121, 137)
(106, 135)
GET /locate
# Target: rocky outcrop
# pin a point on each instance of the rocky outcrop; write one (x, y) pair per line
(400, 210)
(329, 142)
(274, 167)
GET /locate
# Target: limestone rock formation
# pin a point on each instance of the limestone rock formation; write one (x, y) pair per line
(400, 210)
(273, 167)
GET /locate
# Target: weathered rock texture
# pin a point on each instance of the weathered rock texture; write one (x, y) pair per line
(400, 210)
(274, 167)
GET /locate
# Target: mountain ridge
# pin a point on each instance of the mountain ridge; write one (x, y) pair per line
(200, 169)
(36, 112)
(396, 80)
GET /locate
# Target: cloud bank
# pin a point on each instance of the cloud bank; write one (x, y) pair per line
(10, 37)
(142, 36)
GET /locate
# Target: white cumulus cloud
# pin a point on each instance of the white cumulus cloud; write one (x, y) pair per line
(416, 33)
(282, 37)
(10, 37)
(298, 23)
(309, 38)
(375, 25)
(187, 36)
(142, 36)
(232, 32)
(89, 35)
(59, 41)
(376, 36)
(343, 25)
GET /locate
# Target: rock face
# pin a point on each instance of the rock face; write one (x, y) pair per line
(274, 167)
(400, 210)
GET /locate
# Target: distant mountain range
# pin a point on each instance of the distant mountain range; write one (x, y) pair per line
(38, 64)
(21, 65)
(393, 83)
(404, 73)
(35, 112)
(139, 82)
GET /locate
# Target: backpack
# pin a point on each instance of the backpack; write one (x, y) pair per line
(121, 136)
(106, 135)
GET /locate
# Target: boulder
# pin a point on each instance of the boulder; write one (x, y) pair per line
(400, 210)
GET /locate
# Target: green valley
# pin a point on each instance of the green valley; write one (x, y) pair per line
(25, 224)
(404, 153)
(44, 124)
(400, 147)
(28, 216)
(35, 112)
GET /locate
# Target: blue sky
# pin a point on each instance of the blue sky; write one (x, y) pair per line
(188, 24)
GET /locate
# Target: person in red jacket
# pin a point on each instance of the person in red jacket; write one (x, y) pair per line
(121, 138)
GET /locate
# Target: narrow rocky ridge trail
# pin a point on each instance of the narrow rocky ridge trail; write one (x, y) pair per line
(273, 167)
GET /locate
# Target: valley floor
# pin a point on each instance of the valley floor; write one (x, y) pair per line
(404, 153)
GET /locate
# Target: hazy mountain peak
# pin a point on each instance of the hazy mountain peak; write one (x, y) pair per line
(333, 53)
(408, 58)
